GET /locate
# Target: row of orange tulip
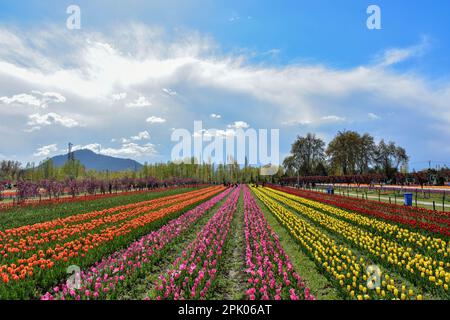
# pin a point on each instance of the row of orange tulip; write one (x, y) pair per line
(7, 235)
(62, 253)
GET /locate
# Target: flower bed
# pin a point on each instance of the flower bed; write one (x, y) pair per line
(347, 270)
(102, 279)
(270, 272)
(416, 218)
(41, 257)
(192, 274)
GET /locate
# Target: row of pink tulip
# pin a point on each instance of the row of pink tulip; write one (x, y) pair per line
(271, 275)
(102, 280)
(192, 274)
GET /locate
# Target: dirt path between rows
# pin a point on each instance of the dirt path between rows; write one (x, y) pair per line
(231, 278)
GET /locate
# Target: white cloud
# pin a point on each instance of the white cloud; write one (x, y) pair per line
(215, 116)
(333, 118)
(119, 96)
(95, 147)
(36, 99)
(48, 97)
(139, 56)
(239, 125)
(169, 92)
(143, 135)
(45, 151)
(223, 133)
(297, 122)
(210, 133)
(139, 103)
(141, 60)
(129, 149)
(95, 67)
(154, 119)
(373, 116)
(37, 120)
(396, 55)
(23, 99)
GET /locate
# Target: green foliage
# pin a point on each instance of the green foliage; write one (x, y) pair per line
(205, 172)
(306, 155)
(349, 153)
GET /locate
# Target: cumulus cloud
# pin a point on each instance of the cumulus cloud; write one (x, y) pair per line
(211, 133)
(169, 92)
(144, 135)
(36, 121)
(46, 151)
(239, 125)
(23, 99)
(131, 150)
(119, 96)
(126, 150)
(154, 119)
(139, 103)
(36, 99)
(373, 116)
(215, 116)
(95, 147)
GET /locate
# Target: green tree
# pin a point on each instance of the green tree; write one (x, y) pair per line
(73, 169)
(389, 157)
(351, 153)
(289, 165)
(307, 152)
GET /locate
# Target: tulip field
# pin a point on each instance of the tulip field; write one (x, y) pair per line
(215, 242)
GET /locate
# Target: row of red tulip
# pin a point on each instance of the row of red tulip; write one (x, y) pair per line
(421, 219)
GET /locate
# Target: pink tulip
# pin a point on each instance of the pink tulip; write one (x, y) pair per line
(266, 259)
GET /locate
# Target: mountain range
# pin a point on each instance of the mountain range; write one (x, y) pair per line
(91, 160)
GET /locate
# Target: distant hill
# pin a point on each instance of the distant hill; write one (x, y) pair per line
(99, 162)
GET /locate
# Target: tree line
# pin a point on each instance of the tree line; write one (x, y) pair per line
(349, 153)
(73, 170)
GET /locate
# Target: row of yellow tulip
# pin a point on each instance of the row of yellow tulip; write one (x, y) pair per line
(422, 270)
(354, 276)
(433, 246)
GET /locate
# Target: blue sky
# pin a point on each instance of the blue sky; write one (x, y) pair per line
(295, 65)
